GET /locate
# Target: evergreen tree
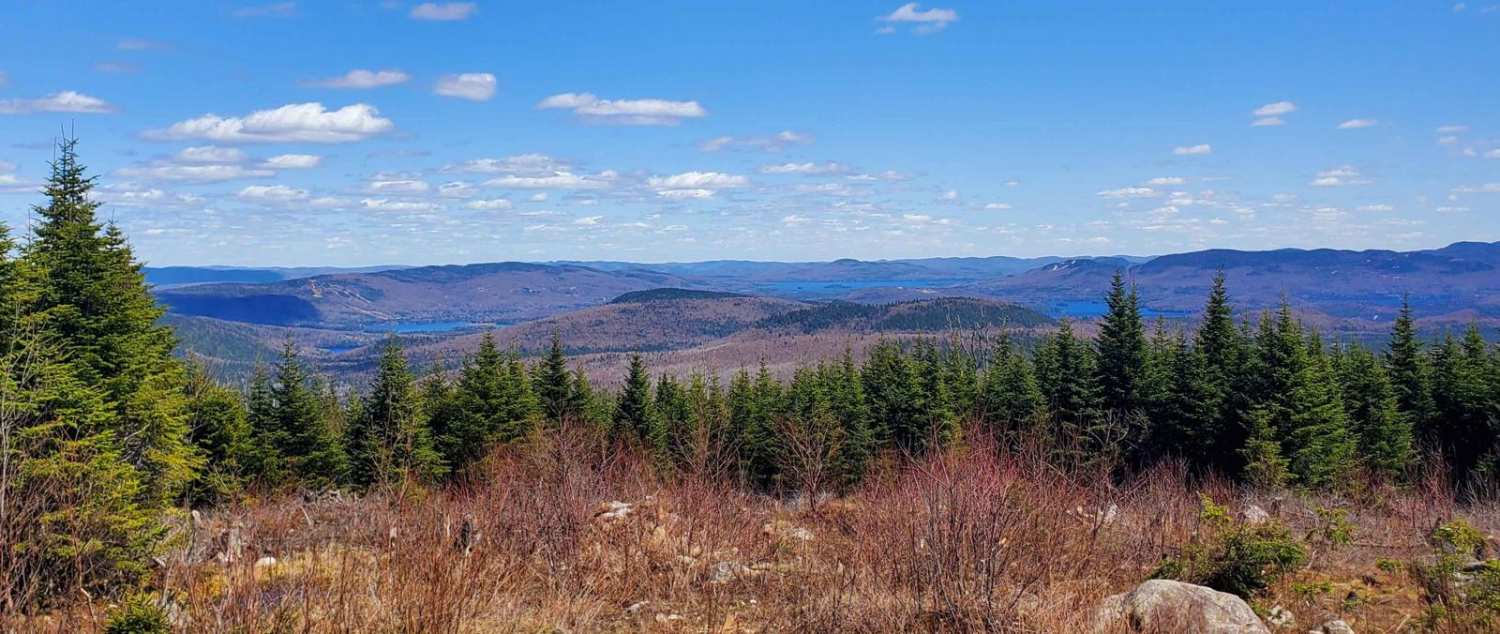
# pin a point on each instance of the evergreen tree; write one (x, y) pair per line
(1222, 350)
(898, 406)
(70, 501)
(1318, 442)
(1121, 352)
(1065, 373)
(93, 301)
(265, 462)
(1384, 435)
(220, 431)
(390, 441)
(1410, 377)
(633, 416)
(1463, 427)
(301, 435)
(847, 400)
(554, 385)
(1010, 399)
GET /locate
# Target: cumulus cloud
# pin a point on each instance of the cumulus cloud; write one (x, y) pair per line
(299, 122)
(386, 204)
(65, 101)
(685, 194)
(1166, 180)
(471, 86)
(292, 161)
(809, 169)
(211, 154)
(1340, 177)
(1267, 121)
(271, 194)
(398, 186)
(443, 11)
(689, 180)
(360, 79)
(1355, 124)
(1193, 150)
(1275, 109)
(624, 111)
(926, 21)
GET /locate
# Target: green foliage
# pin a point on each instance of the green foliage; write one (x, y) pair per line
(492, 402)
(1121, 352)
(389, 442)
(1462, 595)
(220, 430)
(138, 614)
(1234, 557)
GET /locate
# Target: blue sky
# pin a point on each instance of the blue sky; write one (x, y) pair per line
(348, 133)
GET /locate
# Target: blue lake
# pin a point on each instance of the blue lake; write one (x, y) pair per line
(420, 327)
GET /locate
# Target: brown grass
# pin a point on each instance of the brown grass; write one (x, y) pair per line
(972, 540)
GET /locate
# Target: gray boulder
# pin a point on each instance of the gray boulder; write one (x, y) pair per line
(1161, 605)
(1336, 626)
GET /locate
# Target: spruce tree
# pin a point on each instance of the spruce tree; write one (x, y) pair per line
(1121, 352)
(1010, 400)
(1384, 435)
(312, 450)
(1411, 379)
(1463, 427)
(92, 300)
(1065, 373)
(1318, 443)
(390, 442)
(847, 400)
(1223, 352)
(554, 385)
(633, 415)
(221, 433)
(898, 405)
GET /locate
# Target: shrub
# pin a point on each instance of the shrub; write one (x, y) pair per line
(1232, 556)
(139, 614)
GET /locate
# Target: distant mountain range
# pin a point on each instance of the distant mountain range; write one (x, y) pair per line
(608, 307)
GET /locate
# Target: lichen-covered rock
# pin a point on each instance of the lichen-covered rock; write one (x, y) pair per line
(1161, 605)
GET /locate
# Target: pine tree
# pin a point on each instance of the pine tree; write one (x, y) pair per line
(93, 301)
(390, 441)
(1265, 466)
(311, 448)
(1463, 428)
(894, 390)
(1065, 373)
(1121, 352)
(847, 400)
(1384, 435)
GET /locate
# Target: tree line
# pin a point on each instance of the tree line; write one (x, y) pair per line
(104, 434)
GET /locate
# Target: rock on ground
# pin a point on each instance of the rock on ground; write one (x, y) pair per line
(1163, 605)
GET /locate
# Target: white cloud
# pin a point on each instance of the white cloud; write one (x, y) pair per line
(272, 194)
(517, 164)
(489, 204)
(276, 10)
(1355, 124)
(997, 206)
(950, 195)
(770, 143)
(803, 168)
(65, 101)
(360, 78)
(138, 44)
(588, 221)
(210, 154)
(1452, 129)
(1166, 180)
(624, 111)
(691, 180)
(793, 220)
(471, 86)
(557, 180)
(1129, 192)
(299, 122)
(1376, 208)
(398, 186)
(293, 161)
(209, 173)
(685, 194)
(443, 11)
(1487, 188)
(386, 204)
(928, 21)
(1275, 109)
(1340, 177)
(130, 195)
(1267, 121)
(1193, 150)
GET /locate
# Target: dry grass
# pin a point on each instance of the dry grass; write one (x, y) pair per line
(974, 540)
